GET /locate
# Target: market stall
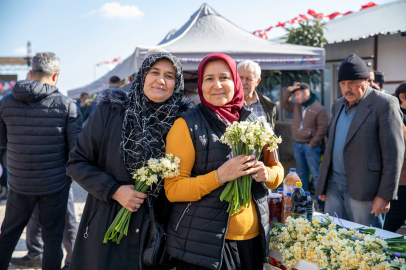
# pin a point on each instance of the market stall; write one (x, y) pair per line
(208, 32)
(275, 257)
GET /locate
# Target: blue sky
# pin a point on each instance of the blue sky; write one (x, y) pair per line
(83, 33)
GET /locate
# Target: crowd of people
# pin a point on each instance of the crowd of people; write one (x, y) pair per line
(102, 140)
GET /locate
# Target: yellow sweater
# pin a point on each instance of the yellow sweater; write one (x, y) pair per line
(183, 188)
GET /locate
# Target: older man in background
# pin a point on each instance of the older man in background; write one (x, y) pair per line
(360, 171)
(263, 107)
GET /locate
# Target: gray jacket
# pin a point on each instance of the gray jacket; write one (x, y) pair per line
(374, 148)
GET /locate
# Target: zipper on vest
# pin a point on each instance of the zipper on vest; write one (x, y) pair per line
(261, 227)
(224, 241)
(185, 211)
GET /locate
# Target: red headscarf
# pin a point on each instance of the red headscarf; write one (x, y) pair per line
(230, 110)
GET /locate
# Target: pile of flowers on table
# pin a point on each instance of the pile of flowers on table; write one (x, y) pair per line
(331, 246)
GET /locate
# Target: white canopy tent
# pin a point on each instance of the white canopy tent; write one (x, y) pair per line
(207, 32)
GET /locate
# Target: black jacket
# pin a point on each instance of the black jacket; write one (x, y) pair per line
(97, 165)
(38, 126)
(197, 230)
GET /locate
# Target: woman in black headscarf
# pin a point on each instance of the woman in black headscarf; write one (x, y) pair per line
(121, 134)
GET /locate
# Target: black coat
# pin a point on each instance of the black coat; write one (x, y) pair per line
(38, 126)
(97, 165)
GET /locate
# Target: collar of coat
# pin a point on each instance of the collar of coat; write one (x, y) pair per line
(118, 99)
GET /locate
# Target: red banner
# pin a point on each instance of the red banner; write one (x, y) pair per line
(304, 17)
(300, 18)
(333, 15)
(370, 4)
(267, 30)
(115, 60)
(280, 25)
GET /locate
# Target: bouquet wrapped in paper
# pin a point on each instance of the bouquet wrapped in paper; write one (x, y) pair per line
(167, 167)
(248, 138)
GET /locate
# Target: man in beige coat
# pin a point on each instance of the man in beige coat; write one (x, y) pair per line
(310, 122)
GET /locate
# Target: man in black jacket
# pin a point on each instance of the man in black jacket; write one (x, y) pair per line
(38, 126)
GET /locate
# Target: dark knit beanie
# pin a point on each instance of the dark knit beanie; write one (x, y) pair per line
(352, 68)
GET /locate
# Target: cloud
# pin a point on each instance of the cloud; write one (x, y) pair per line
(20, 51)
(115, 10)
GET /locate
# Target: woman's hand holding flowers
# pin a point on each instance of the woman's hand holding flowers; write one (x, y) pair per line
(259, 173)
(249, 138)
(129, 198)
(235, 168)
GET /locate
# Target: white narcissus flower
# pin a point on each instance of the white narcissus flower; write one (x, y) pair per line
(324, 245)
(166, 163)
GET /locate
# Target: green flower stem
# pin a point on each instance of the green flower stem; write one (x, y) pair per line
(124, 230)
(238, 192)
(113, 225)
(226, 191)
(126, 227)
(119, 238)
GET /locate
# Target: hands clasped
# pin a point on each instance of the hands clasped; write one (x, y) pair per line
(242, 165)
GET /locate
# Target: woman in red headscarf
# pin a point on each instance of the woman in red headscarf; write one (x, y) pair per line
(201, 234)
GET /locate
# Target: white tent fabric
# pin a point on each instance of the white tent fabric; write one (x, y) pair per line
(207, 32)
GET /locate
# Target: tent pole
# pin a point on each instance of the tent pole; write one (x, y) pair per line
(136, 59)
(322, 86)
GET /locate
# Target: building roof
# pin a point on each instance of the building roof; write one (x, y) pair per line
(384, 19)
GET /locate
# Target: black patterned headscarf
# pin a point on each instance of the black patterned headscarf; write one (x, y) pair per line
(146, 123)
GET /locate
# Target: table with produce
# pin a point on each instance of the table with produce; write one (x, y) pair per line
(301, 239)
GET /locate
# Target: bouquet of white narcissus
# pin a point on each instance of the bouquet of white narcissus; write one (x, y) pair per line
(167, 167)
(247, 138)
(331, 246)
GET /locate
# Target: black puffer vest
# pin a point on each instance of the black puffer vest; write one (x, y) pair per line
(197, 230)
